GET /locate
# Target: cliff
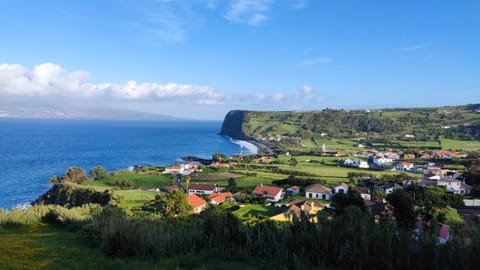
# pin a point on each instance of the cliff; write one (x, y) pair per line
(233, 125)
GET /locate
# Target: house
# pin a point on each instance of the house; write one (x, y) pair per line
(169, 188)
(272, 193)
(197, 203)
(465, 189)
(404, 166)
(380, 210)
(382, 161)
(364, 192)
(408, 156)
(175, 169)
(341, 188)
(356, 163)
(263, 159)
(293, 190)
(388, 188)
(318, 191)
(295, 209)
(362, 164)
(145, 188)
(454, 186)
(218, 198)
(202, 189)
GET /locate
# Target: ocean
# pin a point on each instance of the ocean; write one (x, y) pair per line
(32, 150)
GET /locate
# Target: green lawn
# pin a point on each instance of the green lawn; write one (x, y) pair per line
(448, 144)
(135, 198)
(136, 180)
(255, 210)
(41, 246)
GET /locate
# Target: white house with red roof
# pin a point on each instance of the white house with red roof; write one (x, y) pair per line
(218, 198)
(272, 193)
(404, 166)
(197, 203)
(293, 190)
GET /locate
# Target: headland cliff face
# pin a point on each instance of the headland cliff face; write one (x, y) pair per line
(232, 125)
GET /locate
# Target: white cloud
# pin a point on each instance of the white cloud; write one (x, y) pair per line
(306, 89)
(50, 79)
(300, 4)
(251, 12)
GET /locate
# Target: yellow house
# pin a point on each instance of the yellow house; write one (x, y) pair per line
(296, 207)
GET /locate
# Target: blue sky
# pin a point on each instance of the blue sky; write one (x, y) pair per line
(199, 59)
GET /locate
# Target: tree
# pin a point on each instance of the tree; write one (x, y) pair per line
(403, 208)
(97, 173)
(74, 175)
(293, 162)
(232, 184)
(174, 203)
(218, 157)
(187, 179)
(351, 198)
(379, 194)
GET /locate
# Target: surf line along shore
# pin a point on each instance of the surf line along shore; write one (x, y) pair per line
(249, 146)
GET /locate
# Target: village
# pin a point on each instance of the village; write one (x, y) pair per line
(295, 191)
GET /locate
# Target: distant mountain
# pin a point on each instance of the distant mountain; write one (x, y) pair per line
(73, 111)
(418, 124)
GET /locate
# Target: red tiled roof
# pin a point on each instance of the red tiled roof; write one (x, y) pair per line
(195, 201)
(269, 190)
(220, 197)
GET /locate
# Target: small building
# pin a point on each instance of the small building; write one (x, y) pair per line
(197, 203)
(293, 190)
(318, 191)
(295, 208)
(169, 188)
(202, 189)
(388, 188)
(175, 169)
(272, 193)
(341, 188)
(404, 166)
(146, 188)
(364, 192)
(219, 198)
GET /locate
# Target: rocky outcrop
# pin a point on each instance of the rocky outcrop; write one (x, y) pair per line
(232, 125)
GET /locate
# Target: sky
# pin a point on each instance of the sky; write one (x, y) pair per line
(199, 59)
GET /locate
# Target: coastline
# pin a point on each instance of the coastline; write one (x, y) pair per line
(250, 146)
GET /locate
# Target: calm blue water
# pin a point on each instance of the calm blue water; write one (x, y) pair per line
(33, 150)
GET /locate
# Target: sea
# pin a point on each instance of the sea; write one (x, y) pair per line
(33, 150)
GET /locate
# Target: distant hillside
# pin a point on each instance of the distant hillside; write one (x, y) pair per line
(412, 124)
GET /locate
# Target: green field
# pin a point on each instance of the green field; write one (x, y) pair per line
(448, 144)
(136, 180)
(43, 247)
(255, 210)
(215, 176)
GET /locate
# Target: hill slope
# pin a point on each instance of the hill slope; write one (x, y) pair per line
(413, 124)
